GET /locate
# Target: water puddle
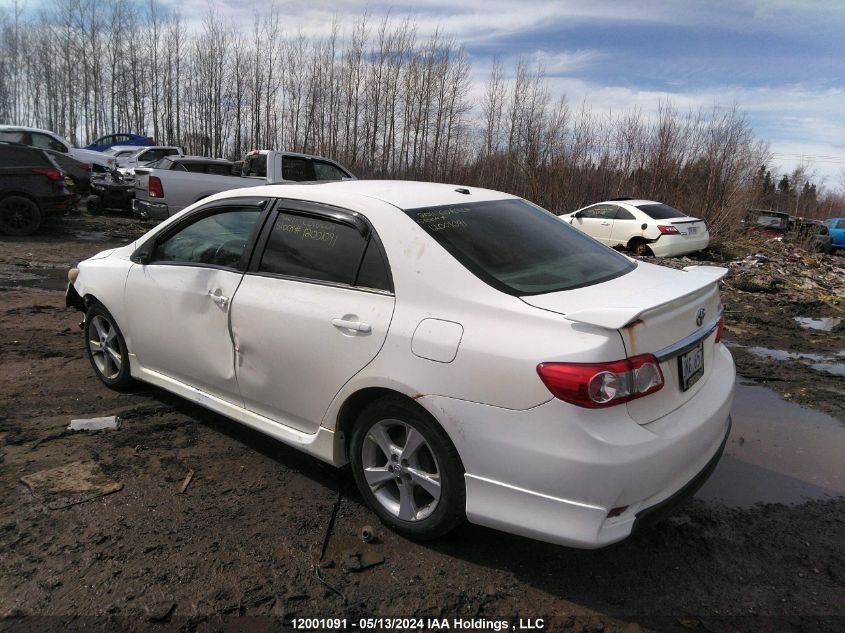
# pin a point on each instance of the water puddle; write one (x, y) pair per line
(778, 452)
(827, 363)
(779, 354)
(825, 324)
(26, 277)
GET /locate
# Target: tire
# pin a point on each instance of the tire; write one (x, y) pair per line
(19, 216)
(431, 498)
(640, 247)
(94, 205)
(107, 349)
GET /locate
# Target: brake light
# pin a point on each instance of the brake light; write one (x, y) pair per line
(156, 190)
(150, 141)
(85, 166)
(668, 229)
(52, 174)
(719, 329)
(599, 385)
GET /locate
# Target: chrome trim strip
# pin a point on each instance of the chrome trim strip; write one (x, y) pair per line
(688, 342)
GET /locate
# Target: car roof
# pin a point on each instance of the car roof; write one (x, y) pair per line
(198, 159)
(404, 194)
(140, 148)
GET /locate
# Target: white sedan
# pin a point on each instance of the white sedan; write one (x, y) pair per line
(643, 226)
(472, 356)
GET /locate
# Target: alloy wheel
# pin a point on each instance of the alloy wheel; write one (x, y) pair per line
(401, 470)
(105, 347)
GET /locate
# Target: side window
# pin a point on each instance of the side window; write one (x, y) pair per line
(219, 169)
(624, 214)
(297, 169)
(218, 240)
(155, 154)
(373, 272)
(840, 224)
(197, 168)
(327, 171)
(121, 139)
(43, 141)
(14, 137)
(301, 246)
(255, 165)
(590, 212)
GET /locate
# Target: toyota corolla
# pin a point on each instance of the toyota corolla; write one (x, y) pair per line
(471, 356)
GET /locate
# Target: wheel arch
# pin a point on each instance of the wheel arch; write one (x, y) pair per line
(351, 409)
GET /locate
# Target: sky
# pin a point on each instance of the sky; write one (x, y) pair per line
(781, 62)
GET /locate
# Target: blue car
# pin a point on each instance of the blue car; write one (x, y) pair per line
(836, 226)
(110, 140)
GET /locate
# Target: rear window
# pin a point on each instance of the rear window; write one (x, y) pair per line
(661, 211)
(16, 156)
(519, 248)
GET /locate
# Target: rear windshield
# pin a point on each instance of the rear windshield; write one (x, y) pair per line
(519, 248)
(661, 211)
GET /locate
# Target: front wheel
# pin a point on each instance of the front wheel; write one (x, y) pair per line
(107, 349)
(408, 470)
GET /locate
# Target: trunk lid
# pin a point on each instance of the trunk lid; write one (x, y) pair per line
(653, 308)
(690, 228)
(142, 183)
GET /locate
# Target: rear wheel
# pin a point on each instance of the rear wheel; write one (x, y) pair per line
(639, 246)
(408, 470)
(19, 216)
(107, 348)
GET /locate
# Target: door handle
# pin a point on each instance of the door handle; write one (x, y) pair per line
(358, 326)
(219, 299)
(605, 223)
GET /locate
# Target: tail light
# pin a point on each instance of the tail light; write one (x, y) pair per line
(599, 385)
(156, 190)
(668, 229)
(85, 166)
(719, 329)
(150, 141)
(52, 174)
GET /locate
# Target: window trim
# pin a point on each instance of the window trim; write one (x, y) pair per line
(328, 213)
(144, 253)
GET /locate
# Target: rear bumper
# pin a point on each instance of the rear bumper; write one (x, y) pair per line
(555, 471)
(151, 210)
(673, 245)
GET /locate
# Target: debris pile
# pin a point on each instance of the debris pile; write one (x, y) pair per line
(775, 267)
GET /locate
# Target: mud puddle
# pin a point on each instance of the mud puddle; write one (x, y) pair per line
(31, 277)
(824, 324)
(831, 363)
(778, 452)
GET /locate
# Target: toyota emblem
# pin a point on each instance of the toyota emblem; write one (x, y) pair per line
(699, 318)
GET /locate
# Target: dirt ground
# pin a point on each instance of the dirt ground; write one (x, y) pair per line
(261, 534)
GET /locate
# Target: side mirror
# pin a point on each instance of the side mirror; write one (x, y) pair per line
(577, 214)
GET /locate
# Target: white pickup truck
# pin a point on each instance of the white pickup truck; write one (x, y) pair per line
(175, 182)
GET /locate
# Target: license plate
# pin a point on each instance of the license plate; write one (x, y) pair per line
(692, 230)
(691, 366)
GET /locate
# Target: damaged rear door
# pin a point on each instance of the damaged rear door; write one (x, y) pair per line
(179, 294)
(312, 311)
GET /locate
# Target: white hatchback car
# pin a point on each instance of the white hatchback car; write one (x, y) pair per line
(643, 226)
(469, 354)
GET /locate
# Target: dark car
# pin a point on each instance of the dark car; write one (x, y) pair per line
(110, 140)
(32, 187)
(196, 165)
(813, 234)
(79, 173)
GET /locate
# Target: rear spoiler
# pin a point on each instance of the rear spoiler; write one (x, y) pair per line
(616, 318)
